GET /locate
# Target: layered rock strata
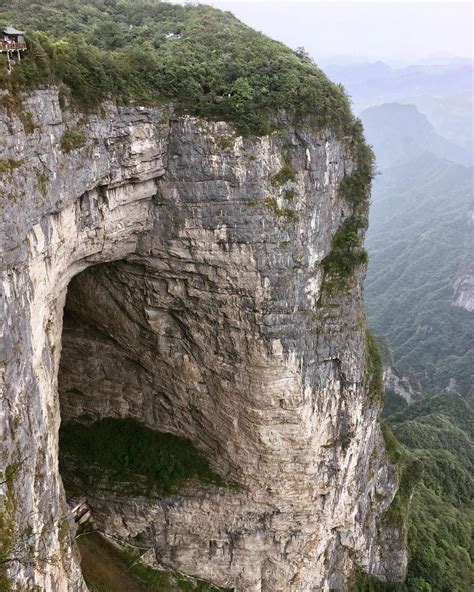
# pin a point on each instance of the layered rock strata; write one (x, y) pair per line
(195, 306)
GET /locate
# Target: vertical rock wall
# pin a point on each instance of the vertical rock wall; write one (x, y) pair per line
(205, 317)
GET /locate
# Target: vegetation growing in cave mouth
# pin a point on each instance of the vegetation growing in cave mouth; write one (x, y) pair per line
(143, 51)
(122, 453)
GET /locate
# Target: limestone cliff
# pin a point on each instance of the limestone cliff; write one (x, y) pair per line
(196, 305)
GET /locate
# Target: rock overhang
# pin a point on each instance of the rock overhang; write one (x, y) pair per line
(206, 248)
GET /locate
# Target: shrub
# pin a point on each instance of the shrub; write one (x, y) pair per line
(72, 140)
(346, 253)
(8, 166)
(285, 174)
(285, 213)
(374, 368)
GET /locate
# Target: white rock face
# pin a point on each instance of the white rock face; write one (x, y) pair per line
(464, 290)
(205, 318)
(400, 384)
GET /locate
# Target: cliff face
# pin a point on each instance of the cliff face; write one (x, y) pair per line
(199, 311)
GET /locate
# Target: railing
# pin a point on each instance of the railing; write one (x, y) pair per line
(5, 46)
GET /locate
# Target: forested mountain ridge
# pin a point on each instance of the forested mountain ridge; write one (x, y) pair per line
(418, 293)
(145, 52)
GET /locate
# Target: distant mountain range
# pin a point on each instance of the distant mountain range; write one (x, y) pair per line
(399, 133)
(420, 282)
(443, 92)
(420, 298)
(380, 82)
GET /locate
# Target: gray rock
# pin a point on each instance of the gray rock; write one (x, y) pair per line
(193, 306)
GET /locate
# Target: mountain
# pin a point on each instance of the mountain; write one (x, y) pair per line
(439, 432)
(149, 52)
(171, 268)
(442, 91)
(377, 82)
(437, 436)
(400, 133)
(452, 117)
(419, 237)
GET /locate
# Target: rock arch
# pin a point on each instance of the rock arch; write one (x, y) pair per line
(211, 264)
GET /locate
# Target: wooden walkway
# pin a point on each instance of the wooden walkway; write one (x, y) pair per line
(80, 510)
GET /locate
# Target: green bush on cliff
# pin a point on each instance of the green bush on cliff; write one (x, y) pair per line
(355, 188)
(374, 368)
(145, 51)
(72, 140)
(346, 253)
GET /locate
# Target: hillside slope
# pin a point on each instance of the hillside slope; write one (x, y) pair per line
(419, 239)
(400, 133)
(439, 432)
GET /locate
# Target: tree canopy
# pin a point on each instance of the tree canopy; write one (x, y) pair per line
(146, 51)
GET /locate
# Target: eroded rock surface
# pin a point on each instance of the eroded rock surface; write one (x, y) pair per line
(464, 290)
(200, 313)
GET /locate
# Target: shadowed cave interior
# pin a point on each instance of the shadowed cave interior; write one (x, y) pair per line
(117, 382)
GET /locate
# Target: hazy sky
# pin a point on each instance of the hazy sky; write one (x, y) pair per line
(396, 31)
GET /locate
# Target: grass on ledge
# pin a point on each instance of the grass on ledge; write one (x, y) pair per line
(123, 450)
(106, 568)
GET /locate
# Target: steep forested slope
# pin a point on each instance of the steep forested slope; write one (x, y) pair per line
(418, 240)
(439, 432)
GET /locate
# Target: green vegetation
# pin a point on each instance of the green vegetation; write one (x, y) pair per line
(146, 52)
(355, 188)
(43, 179)
(437, 433)
(285, 174)
(173, 580)
(285, 213)
(106, 567)
(8, 525)
(72, 140)
(419, 241)
(410, 472)
(374, 368)
(8, 166)
(346, 254)
(122, 452)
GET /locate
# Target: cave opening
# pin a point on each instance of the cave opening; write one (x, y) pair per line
(123, 398)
